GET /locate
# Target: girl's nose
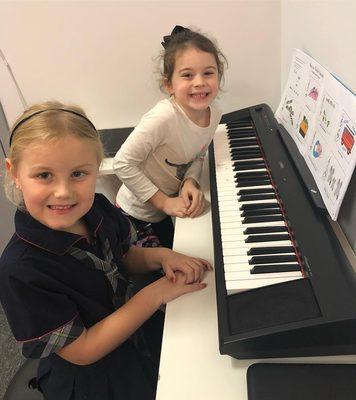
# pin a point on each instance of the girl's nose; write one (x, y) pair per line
(199, 80)
(62, 190)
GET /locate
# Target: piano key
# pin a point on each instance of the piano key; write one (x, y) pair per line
(254, 156)
(247, 205)
(241, 267)
(235, 226)
(272, 259)
(246, 262)
(245, 141)
(228, 246)
(243, 275)
(250, 163)
(248, 284)
(236, 219)
(252, 183)
(266, 238)
(266, 229)
(266, 211)
(268, 269)
(270, 250)
(256, 191)
(262, 218)
(240, 241)
(257, 205)
(252, 173)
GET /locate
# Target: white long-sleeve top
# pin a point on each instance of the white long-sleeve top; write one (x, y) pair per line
(165, 148)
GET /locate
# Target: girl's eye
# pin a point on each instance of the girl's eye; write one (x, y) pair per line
(209, 72)
(44, 175)
(78, 174)
(187, 75)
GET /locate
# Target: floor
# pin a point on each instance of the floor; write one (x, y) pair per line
(11, 359)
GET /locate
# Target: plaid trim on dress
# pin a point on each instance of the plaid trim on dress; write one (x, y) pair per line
(44, 345)
(121, 286)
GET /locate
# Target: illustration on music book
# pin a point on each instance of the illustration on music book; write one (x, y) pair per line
(319, 112)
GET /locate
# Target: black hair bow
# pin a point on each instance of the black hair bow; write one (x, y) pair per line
(177, 29)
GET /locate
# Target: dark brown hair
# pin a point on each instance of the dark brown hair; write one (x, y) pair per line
(183, 39)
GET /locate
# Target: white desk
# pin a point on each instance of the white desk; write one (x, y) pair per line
(191, 366)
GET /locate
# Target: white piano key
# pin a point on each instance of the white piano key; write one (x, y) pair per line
(230, 245)
(239, 286)
(243, 275)
(243, 258)
(240, 240)
(237, 218)
(237, 223)
(236, 267)
(234, 250)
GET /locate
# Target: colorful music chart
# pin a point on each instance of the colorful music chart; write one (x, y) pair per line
(319, 113)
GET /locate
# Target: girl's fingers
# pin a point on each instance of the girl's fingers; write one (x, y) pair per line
(170, 274)
(187, 204)
(194, 271)
(193, 287)
(199, 208)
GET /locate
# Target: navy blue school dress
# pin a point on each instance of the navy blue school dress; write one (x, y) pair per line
(53, 284)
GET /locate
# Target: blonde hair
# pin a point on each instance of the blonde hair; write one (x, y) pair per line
(47, 121)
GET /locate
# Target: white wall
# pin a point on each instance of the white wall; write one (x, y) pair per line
(100, 54)
(324, 29)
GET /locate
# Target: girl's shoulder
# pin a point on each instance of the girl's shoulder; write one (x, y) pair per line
(20, 261)
(162, 112)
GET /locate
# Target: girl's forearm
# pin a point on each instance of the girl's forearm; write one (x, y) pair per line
(158, 200)
(103, 337)
(139, 260)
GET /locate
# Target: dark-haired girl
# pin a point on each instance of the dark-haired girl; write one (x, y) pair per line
(160, 162)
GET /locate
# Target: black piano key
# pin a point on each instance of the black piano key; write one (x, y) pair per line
(251, 173)
(248, 178)
(252, 179)
(270, 250)
(252, 197)
(273, 268)
(267, 211)
(243, 122)
(264, 229)
(243, 142)
(248, 163)
(237, 157)
(275, 259)
(243, 147)
(238, 149)
(258, 206)
(242, 151)
(262, 218)
(247, 167)
(266, 238)
(233, 135)
(253, 183)
(238, 128)
(255, 191)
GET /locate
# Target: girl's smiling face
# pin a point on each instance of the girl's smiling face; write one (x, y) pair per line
(57, 179)
(195, 82)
